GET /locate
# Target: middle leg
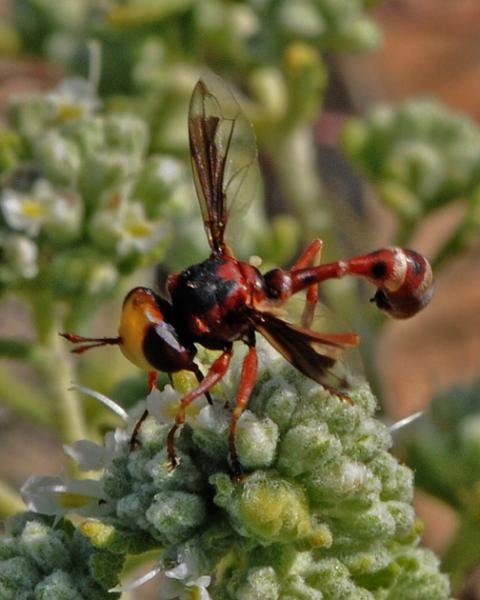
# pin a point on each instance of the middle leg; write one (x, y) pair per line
(215, 374)
(310, 258)
(247, 381)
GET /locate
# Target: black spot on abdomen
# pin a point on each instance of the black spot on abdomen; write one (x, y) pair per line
(379, 269)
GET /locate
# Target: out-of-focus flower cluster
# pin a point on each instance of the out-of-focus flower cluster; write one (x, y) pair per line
(420, 156)
(323, 512)
(239, 32)
(273, 48)
(81, 204)
(46, 559)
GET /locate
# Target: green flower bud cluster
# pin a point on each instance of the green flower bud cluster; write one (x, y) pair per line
(230, 33)
(420, 155)
(45, 560)
(81, 202)
(324, 510)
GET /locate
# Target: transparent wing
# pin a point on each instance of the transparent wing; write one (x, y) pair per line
(322, 351)
(223, 155)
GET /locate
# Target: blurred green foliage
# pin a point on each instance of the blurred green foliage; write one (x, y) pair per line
(421, 156)
(444, 449)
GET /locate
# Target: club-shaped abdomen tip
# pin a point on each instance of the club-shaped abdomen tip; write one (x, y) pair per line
(409, 285)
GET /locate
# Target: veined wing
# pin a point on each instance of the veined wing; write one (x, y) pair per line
(312, 353)
(223, 155)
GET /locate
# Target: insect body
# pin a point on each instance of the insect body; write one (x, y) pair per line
(223, 300)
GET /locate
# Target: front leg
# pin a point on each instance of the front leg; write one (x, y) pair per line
(214, 375)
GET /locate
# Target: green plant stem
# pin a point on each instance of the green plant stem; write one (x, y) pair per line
(464, 550)
(54, 365)
(294, 158)
(10, 500)
(22, 399)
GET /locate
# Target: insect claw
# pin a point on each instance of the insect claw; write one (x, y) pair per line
(134, 441)
(134, 444)
(172, 463)
(238, 476)
(345, 397)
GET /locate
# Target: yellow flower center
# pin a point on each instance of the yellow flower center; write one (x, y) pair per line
(69, 112)
(31, 208)
(139, 229)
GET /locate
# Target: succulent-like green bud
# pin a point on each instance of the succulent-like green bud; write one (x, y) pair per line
(323, 511)
(47, 559)
(421, 154)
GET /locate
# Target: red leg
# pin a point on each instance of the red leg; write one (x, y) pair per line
(215, 374)
(200, 377)
(310, 258)
(152, 382)
(249, 375)
(313, 251)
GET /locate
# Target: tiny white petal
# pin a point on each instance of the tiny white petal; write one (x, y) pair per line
(88, 455)
(170, 588)
(179, 572)
(136, 583)
(112, 405)
(163, 405)
(404, 422)
(202, 594)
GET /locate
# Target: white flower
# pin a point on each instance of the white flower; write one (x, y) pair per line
(42, 207)
(123, 225)
(183, 581)
(20, 255)
(22, 212)
(137, 232)
(179, 583)
(169, 170)
(73, 98)
(163, 405)
(61, 495)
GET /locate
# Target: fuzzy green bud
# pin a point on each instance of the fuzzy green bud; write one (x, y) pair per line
(421, 154)
(323, 510)
(269, 509)
(52, 562)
